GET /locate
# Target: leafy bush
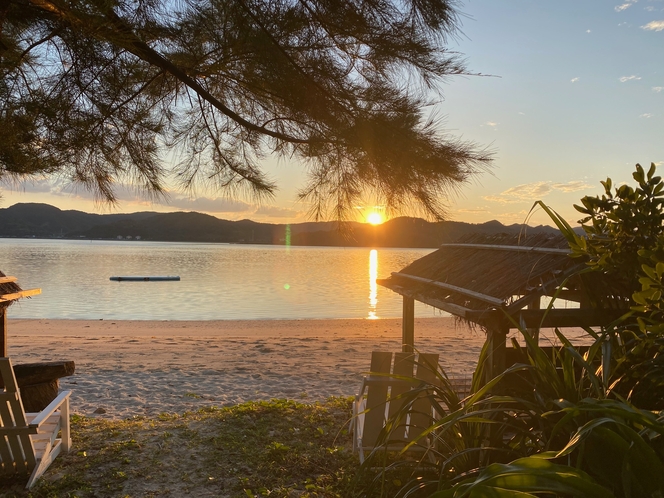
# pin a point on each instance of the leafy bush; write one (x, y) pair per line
(566, 424)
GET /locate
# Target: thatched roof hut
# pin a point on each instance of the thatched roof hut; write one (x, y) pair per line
(8, 288)
(498, 281)
(10, 291)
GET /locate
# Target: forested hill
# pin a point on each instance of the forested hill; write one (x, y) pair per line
(45, 221)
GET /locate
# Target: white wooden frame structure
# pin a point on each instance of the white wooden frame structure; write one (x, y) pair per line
(29, 442)
(382, 397)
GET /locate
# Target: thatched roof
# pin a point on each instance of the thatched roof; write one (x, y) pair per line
(10, 291)
(479, 274)
(8, 286)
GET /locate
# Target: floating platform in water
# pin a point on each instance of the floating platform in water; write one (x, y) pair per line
(145, 279)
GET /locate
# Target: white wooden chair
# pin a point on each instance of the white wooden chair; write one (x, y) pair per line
(29, 442)
(382, 396)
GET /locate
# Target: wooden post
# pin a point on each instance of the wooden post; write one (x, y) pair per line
(3, 331)
(534, 332)
(408, 326)
(495, 365)
(496, 337)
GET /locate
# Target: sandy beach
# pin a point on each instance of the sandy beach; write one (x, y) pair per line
(127, 368)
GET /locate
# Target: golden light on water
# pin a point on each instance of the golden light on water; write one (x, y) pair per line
(375, 218)
(373, 286)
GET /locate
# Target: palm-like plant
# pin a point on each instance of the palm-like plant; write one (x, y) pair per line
(563, 423)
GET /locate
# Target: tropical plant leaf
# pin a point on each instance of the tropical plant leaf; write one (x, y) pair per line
(530, 475)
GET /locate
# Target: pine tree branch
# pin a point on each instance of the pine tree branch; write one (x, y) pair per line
(123, 36)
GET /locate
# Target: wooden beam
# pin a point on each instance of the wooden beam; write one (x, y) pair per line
(7, 280)
(493, 247)
(408, 325)
(534, 331)
(18, 295)
(3, 331)
(568, 295)
(496, 339)
(454, 309)
(547, 288)
(573, 317)
(494, 364)
(466, 292)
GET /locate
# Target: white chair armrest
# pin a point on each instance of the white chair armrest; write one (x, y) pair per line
(363, 387)
(52, 406)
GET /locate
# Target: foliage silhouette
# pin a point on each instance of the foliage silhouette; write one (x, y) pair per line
(107, 91)
(563, 423)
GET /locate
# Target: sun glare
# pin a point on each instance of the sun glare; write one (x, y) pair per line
(375, 218)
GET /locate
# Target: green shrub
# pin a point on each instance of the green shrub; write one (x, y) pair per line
(568, 424)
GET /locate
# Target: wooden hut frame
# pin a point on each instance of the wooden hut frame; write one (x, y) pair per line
(497, 282)
(10, 292)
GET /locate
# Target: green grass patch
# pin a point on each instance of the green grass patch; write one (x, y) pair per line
(277, 448)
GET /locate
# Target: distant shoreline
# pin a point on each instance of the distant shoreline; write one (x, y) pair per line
(197, 328)
(270, 244)
(29, 220)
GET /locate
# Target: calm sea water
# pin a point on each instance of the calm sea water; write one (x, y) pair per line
(218, 281)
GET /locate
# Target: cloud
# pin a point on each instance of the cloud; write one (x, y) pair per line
(574, 80)
(573, 186)
(624, 6)
(216, 205)
(62, 187)
(535, 191)
(129, 195)
(646, 115)
(501, 200)
(633, 77)
(588, 31)
(528, 191)
(277, 212)
(471, 211)
(122, 192)
(35, 186)
(517, 216)
(657, 89)
(491, 124)
(654, 26)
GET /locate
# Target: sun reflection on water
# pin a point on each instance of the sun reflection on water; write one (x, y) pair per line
(373, 286)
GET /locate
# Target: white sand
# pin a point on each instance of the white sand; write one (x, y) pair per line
(148, 367)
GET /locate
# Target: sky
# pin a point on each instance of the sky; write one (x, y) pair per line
(574, 94)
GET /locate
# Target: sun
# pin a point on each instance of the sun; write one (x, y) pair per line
(375, 218)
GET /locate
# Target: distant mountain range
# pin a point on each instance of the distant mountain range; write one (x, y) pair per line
(45, 221)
